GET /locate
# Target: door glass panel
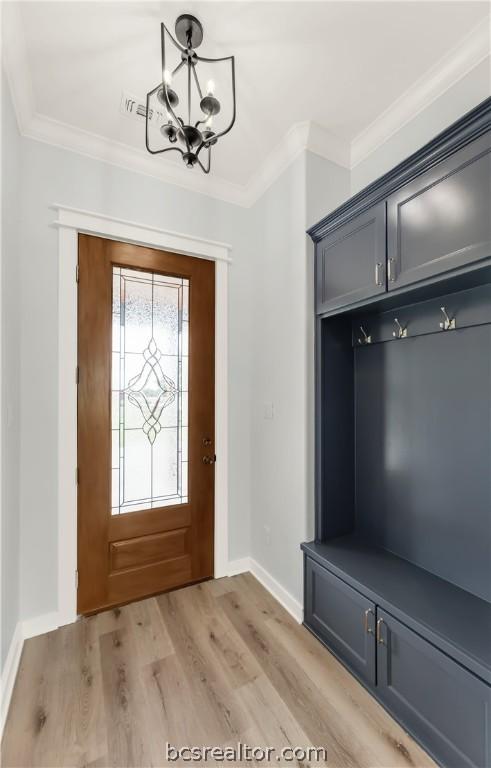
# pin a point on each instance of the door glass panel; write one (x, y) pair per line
(150, 332)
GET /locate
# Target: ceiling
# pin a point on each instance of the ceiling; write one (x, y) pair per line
(337, 65)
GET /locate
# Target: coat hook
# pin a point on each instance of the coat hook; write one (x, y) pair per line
(366, 339)
(448, 324)
(400, 333)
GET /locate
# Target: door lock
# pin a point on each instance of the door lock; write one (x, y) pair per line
(209, 459)
(206, 442)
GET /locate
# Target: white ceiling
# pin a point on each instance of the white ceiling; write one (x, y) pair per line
(336, 64)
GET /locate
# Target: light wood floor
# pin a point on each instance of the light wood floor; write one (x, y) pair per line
(211, 664)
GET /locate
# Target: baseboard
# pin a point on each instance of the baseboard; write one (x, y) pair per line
(9, 673)
(242, 565)
(39, 625)
(290, 603)
(23, 631)
(245, 564)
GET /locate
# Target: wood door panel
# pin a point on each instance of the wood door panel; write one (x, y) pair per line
(133, 554)
(147, 522)
(131, 584)
(144, 550)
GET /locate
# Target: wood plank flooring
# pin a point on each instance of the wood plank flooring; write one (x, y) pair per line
(209, 665)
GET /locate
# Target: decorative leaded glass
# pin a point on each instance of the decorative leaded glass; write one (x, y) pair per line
(149, 420)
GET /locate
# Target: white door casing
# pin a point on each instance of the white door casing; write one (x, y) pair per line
(70, 222)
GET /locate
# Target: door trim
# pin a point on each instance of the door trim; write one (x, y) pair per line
(70, 222)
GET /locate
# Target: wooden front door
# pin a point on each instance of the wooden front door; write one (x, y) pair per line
(145, 421)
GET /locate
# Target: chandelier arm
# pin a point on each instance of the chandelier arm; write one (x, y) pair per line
(207, 169)
(156, 151)
(176, 70)
(232, 63)
(166, 149)
(163, 30)
(197, 83)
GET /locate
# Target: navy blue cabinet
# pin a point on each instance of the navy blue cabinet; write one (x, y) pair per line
(433, 697)
(441, 221)
(343, 618)
(427, 217)
(351, 261)
(397, 581)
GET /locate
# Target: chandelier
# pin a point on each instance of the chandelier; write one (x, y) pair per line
(179, 112)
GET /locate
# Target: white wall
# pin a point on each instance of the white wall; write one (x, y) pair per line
(51, 175)
(10, 449)
(282, 363)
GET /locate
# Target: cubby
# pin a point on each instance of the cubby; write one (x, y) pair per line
(398, 578)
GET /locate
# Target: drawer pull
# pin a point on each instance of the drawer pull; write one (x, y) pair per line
(380, 639)
(366, 624)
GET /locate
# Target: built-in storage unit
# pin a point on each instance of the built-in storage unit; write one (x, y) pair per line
(398, 579)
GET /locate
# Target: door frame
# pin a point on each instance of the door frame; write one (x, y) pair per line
(70, 222)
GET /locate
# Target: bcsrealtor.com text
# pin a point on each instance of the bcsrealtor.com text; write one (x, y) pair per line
(242, 752)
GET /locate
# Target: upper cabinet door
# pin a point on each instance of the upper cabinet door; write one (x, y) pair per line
(351, 261)
(441, 220)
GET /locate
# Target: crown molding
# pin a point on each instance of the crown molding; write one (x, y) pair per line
(42, 128)
(300, 137)
(451, 68)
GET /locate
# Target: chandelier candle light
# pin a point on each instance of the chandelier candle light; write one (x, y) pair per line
(190, 139)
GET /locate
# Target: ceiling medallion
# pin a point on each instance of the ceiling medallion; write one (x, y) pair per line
(193, 130)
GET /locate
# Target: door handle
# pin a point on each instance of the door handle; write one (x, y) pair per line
(209, 459)
(391, 270)
(366, 624)
(380, 639)
(378, 273)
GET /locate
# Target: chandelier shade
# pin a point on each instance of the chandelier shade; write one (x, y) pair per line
(187, 113)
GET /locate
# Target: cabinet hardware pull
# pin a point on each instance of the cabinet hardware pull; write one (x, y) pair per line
(368, 628)
(380, 639)
(378, 273)
(391, 265)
